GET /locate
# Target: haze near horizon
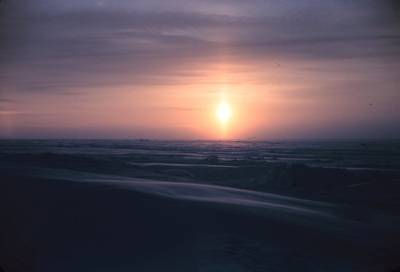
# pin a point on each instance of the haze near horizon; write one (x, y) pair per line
(199, 69)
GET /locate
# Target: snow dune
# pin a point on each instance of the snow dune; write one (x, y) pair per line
(120, 224)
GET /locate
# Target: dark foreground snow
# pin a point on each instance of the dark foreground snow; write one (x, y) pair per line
(134, 225)
(192, 206)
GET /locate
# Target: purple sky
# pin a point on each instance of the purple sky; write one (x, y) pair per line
(157, 68)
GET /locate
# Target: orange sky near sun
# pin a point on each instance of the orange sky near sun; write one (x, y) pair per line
(160, 69)
(266, 102)
(273, 102)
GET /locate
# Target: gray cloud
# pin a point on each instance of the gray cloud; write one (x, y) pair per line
(71, 47)
(81, 45)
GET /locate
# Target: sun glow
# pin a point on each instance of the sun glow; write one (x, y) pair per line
(224, 112)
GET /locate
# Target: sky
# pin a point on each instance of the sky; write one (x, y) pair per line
(162, 69)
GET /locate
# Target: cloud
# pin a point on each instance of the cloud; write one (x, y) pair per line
(324, 48)
(89, 45)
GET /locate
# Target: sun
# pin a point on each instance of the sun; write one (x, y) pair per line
(224, 112)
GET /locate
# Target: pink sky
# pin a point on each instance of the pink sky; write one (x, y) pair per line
(150, 70)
